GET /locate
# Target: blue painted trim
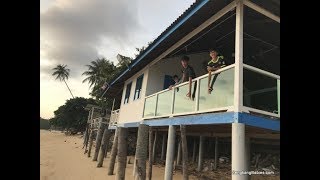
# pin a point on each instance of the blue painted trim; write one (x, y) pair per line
(212, 118)
(131, 124)
(162, 38)
(261, 122)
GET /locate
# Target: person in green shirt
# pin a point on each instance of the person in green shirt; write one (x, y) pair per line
(217, 61)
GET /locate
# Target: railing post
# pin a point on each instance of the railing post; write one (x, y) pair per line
(155, 111)
(173, 96)
(238, 68)
(197, 95)
(144, 106)
(278, 95)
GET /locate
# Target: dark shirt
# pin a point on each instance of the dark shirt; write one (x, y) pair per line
(218, 63)
(188, 72)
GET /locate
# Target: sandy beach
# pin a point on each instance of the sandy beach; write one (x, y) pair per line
(62, 158)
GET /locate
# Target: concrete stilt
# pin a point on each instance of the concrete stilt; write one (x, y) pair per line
(248, 154)
(179, 153)
(154, 145)
(184, 149)
(151, 148)
(216, 155)
(168, 173)
(163, 148)
(200, 153)
(239, 154)
(194, 150)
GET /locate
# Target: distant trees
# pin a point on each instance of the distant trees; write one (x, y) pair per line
(44, 124)
(72, 116)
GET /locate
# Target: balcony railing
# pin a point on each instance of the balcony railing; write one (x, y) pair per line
(262, 98)
(174, 102)
(114, 117)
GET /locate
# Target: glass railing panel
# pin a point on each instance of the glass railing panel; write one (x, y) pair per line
(260, 91)
(182, 103)
(222, 93)
(164, 103)
(150, 106)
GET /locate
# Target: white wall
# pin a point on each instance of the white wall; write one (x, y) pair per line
(172, 66)
(132, 111)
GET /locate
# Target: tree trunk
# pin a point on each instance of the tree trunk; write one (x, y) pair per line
(141, 152)
(150, 153)
(69, 89)
(122, 153)
(101, 128)
(113, 154)
(184, 152)
(90, 142)
(87, 135)
(154, 146)
(104, 146)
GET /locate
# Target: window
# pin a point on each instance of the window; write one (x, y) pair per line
(126, 98)
(138, 87)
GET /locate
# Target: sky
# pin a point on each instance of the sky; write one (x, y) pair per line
(76, 32)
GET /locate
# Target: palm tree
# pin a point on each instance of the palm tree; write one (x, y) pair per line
(62, 73)
(99, 71)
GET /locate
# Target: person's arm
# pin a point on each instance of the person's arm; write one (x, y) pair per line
(181, 80)
(190, 85)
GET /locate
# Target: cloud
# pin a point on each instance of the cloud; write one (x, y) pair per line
(72, 31)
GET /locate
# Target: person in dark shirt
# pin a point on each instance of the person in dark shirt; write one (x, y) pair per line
(187, 75)
(216, 62)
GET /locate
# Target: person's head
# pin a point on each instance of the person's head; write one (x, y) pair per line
(213, 53)
(175, 78)
(184, 61)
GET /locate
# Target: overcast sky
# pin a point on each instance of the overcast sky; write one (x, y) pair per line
(76, 32)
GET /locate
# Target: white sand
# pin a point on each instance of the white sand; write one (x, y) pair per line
(61, 160)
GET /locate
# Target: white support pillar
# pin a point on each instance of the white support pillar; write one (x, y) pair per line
(239, 153)
(238, 69)
(168, 173)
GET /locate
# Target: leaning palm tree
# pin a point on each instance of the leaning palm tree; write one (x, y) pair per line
(62, 73)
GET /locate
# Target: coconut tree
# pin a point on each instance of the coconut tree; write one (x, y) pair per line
(62, 73)
(99, 71)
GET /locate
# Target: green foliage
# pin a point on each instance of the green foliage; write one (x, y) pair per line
(72, 114)
(44, 124)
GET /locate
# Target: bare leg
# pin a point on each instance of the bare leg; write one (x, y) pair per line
(209, 80)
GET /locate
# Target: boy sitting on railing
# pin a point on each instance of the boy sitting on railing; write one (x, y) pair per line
(216, 62)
